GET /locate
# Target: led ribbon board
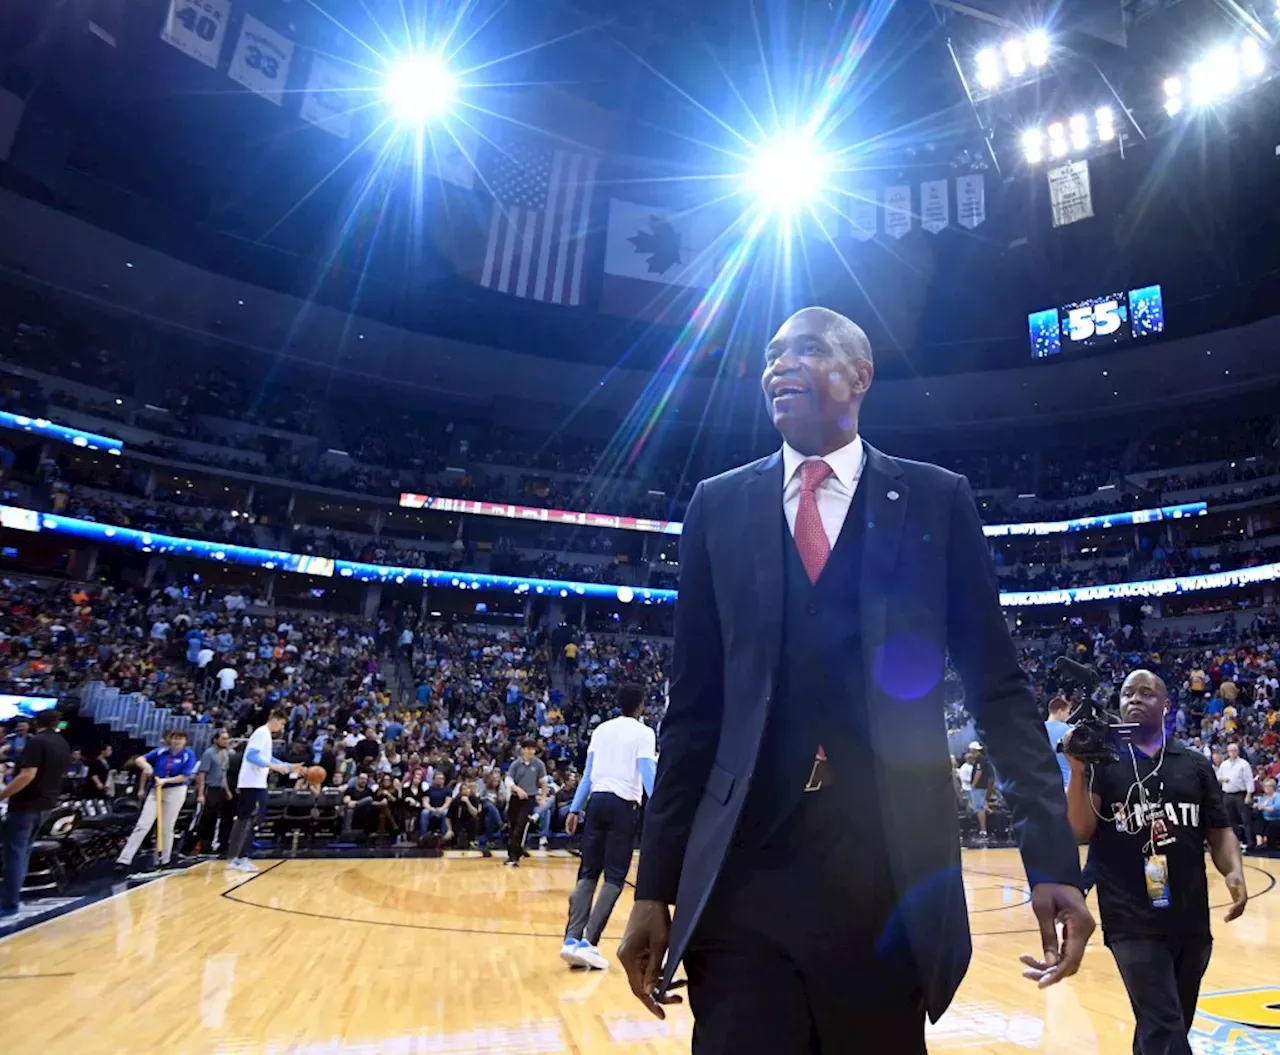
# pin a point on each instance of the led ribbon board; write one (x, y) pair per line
(63, 433)
(304, 564)
(674, 527)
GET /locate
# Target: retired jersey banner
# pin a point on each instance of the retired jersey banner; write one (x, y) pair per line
(935, 208)
(1069, 193)
(861, 214)
(971, 201)
(197, 28)
(897, 211)
(262, 58)
(331, 96)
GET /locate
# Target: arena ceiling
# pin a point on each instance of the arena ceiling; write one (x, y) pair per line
(149, 145)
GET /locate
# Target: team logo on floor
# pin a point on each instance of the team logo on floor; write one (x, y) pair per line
(1238, 1022)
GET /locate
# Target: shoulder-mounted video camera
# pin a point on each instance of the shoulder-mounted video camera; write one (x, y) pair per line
(1095, 737)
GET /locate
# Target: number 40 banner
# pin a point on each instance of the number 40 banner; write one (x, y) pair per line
(196, 27)
(262, 58)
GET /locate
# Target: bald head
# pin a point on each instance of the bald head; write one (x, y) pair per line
(845, 334)
(817, 371)
(1148, 679)
(1143, 700)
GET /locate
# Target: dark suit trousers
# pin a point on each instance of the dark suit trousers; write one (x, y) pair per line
(796, 953)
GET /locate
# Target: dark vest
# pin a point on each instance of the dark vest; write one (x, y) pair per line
(820, 694)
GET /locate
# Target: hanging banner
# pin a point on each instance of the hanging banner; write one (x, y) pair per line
(196, 28)
(897, 211)
(971, 200)
(862, 214)
(1069, 193)
(262, 58)
(331, 96)
(935, 208)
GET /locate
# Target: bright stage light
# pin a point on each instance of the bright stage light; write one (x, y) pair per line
(1032, 149)
(1224, 68)
(1037, 44)
(420, 88)
(1015, 58)
(1251, 59)
(1173, 105)
(787, 172)
(989, 72)
(1106, 124)
(1172, 87)
(1057, 139)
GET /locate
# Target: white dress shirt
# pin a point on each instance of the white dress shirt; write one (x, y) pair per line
(834, 494)
(1235, 775)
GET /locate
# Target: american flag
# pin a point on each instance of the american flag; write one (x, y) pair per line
(541, 208)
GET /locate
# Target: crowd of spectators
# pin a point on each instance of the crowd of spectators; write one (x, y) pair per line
(403, 701)
(409, 717)
(386, 445)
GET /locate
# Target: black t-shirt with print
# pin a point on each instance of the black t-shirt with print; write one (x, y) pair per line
(1184, 794)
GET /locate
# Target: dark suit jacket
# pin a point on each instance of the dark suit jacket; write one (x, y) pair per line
(928, 593)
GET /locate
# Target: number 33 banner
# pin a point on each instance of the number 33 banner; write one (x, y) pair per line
(196, 27)
(261, 61)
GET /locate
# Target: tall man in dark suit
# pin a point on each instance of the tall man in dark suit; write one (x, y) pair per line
(803, 821)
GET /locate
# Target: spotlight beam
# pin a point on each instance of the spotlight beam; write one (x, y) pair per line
(356, 36)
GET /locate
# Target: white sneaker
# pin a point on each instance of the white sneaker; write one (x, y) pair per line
(542, 842)
(243, 864)
(569, 952)
(590, 956)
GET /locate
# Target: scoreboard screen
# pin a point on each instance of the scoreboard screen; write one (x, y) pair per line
(1112, 318)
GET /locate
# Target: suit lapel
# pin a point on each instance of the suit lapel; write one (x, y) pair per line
(886, 509)
(764, 521)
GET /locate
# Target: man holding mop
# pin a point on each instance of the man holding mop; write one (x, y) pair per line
(171, 767)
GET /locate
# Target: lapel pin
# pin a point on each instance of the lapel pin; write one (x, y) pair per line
(892, 496)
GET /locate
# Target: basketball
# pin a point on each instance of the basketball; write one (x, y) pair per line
(315, 775)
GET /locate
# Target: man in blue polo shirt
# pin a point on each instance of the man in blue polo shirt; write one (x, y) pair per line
(171, 767)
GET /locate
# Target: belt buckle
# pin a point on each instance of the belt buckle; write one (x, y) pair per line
(815, 774)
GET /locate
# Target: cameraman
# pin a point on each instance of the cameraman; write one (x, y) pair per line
(1146, 818)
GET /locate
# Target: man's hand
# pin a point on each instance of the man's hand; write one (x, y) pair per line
(1239, 894)
(1077, 764)
(643, 951)
(1055, 903)
(520, 792)
(571, 823)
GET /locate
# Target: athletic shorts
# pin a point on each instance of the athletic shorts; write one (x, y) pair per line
(979, 798)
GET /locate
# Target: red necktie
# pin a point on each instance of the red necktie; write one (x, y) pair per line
(815, 548)
(811, 536)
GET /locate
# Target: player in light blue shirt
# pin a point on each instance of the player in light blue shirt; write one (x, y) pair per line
(1056, 727)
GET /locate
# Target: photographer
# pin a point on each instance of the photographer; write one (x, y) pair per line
(1146, 817)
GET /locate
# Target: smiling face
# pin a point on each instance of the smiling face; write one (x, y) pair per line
(817, 371)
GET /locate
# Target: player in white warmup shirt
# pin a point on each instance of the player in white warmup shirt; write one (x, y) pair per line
(251, 788)
(621, 764)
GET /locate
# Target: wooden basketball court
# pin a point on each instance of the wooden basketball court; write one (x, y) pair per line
(459, 955)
